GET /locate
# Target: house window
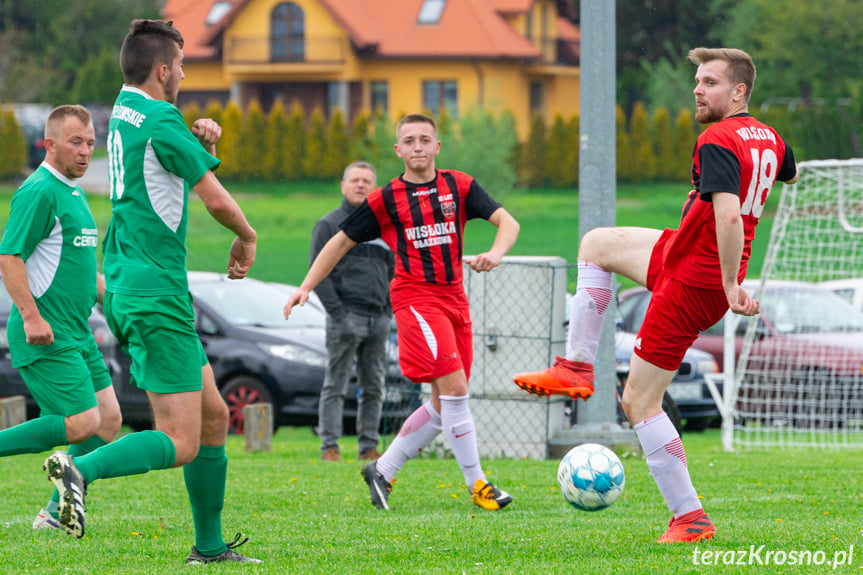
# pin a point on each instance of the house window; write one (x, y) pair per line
(431, 11)
(528, 24)
(537, 99)
(440, 95)
(287, 33)
(217, 12)
(380, 96)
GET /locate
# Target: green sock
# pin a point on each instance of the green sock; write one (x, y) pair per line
(205, 482)
(75, 450)
(33, 436)
(132, 454)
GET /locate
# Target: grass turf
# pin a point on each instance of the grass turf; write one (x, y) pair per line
(304, 516)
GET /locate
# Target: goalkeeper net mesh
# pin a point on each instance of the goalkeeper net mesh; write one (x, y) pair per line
(798, 379)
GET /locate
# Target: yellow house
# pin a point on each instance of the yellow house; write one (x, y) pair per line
(400, 56)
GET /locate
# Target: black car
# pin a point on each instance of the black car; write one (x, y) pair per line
(11, 382)
(257, 356)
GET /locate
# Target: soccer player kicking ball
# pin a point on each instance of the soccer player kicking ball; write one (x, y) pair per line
(694, 273)
(421, 216)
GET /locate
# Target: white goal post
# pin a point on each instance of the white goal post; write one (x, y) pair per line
(798, 382)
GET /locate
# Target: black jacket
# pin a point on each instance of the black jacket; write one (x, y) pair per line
(360, 282)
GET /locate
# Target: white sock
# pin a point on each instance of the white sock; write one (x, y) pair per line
(587, 312)
(666, 460)
(418, 430)
(460, 431)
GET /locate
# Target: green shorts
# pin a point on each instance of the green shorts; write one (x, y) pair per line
(158, 334)
(65, 383)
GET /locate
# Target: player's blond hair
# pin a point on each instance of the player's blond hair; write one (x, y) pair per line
(57, 117)
(741, 68)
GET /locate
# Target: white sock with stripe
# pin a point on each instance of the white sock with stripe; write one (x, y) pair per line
(418, 430)
(587, 312)
(666, 460)
(460, 431)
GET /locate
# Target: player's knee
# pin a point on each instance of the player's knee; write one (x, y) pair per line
(112, 420)
(592, 244)
(82, 426)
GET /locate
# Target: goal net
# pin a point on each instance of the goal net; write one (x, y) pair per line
(799, 373)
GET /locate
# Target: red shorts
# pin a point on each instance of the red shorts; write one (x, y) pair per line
(434, 341)
(677, 313)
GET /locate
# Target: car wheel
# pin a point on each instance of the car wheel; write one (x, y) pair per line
(240, 392)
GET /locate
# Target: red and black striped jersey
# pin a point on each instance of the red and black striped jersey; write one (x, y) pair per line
(738, 155)
(423, 224)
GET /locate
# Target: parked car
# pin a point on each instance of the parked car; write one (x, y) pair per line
(257, 356)
(687, 397)
(807, 353)
(688, 388)
(849, 289)
(11, 382)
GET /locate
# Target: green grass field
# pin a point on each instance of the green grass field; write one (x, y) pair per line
(304, 516)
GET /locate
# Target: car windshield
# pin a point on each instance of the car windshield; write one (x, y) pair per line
(802, 309)
(255, 303)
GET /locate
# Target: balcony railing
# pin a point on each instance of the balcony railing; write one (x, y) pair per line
(299, 50)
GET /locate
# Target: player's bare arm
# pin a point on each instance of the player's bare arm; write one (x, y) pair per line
(507, 233)
(14, 274)
(227, 212)
(332, 252)
(729, 239)
(208, 133)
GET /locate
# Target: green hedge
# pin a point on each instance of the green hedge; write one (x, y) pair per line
(293, 145)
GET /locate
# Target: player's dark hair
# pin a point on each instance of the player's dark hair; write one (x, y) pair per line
(149, 43)
(741, 68)
(416, 119)
(54, 123)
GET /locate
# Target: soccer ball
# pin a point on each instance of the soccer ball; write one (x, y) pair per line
(590, 477)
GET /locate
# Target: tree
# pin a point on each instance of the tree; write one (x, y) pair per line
(191, 114)
(533, 155)
(98, 79)
(228, 146)
(663, 142)
(684, 144)
(13, 145)
(275, 139)
(316, 142)
(643, 158)
(252, 146)
(294, 149)
(44, 45)
(624, 147)
(361, 144)
(338, 147)
(555, 155)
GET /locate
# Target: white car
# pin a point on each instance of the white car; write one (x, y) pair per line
(849, 289)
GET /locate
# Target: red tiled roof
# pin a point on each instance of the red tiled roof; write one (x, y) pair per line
(512, 6)
(388, 28)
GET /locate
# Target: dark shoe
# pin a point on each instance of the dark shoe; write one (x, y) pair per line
(379, 488)
(370, 455)
(330, 455)
(228, 554)
(72, 488)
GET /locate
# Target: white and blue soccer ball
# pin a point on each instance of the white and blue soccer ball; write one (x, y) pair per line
(590, 477)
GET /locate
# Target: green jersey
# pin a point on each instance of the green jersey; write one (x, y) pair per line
(153, 158)
(51, 228)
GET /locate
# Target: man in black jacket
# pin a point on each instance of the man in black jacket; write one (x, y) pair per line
(357, 299)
